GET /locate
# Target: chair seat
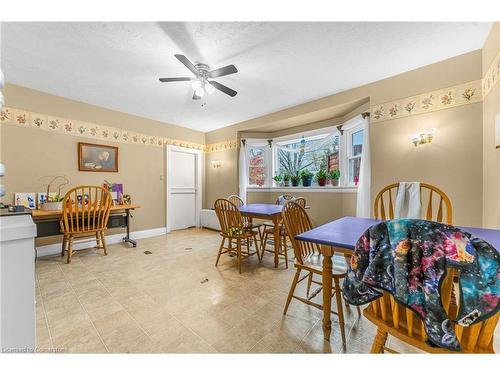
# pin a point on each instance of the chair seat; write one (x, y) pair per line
(249, 226)
(271, 230)
(314, 262)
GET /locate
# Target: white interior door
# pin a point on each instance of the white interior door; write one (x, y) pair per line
(183, 187)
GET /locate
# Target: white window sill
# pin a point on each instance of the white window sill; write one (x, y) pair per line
(302, 189)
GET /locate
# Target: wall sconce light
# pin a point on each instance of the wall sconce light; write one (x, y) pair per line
(422, 137)
(216, 164)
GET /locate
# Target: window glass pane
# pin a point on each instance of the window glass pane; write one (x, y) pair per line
(357, 143)
(256, 176)
(256, 157)
(312, 154)
(256, 166)
(354, 164)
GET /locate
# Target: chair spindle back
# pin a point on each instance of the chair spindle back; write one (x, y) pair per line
(435, 197)
(85, 209)
(229, 216)
(297, 221)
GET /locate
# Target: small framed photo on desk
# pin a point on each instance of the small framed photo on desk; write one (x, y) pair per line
(97, 158)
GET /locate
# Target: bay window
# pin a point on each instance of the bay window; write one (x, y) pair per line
(328, 150)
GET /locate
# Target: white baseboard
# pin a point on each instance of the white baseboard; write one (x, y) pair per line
(89, 242)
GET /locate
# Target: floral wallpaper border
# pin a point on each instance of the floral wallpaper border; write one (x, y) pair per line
(27, 119)
(492, 76)
(466, 93)
(222, 146)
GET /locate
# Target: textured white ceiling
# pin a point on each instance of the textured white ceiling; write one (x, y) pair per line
(117, 65)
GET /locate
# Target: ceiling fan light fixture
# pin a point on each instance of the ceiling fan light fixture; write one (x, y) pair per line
(209, 88)
(200, 92)
(197, 85)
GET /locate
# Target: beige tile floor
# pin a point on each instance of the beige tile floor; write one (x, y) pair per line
(130, 302)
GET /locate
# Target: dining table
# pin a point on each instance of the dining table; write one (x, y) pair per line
(341, 235)
(271, 212)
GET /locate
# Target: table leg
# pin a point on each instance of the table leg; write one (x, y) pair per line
(327, 295)
(276, 240)
(127, 237)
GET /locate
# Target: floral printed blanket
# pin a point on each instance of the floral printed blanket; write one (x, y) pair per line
(408, 258)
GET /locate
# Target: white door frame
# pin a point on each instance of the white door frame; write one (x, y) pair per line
(200, 162)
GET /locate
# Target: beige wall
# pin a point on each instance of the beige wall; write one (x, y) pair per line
(31, 154)
(491, 156)
(322, 207)
(453, 161)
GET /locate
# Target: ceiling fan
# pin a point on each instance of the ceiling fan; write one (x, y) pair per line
(200, 82)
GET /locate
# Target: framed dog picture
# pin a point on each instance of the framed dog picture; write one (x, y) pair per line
(97, 158)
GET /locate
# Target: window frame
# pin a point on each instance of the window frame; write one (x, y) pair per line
(350, 153)
(345, 154)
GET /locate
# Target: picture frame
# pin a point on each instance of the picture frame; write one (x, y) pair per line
(97, 158)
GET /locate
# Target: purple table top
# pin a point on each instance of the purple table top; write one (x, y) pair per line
(262, 209)
(345, 232)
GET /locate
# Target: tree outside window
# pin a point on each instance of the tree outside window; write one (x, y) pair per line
(311, 153)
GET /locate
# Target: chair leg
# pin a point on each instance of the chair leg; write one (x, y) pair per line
(70, 249)
(309, 282)
(103, 242)
(238, 249)
(285, 251)
(263, 246)
(98, 240)
(379, 342)
(220, 250)
(64, 241)
(292, 290)
(340, 308)
(256, 246)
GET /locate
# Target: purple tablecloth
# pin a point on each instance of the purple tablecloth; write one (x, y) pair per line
(345, 232)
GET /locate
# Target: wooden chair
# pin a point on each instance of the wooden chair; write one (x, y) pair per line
(85, 212)
(308, 258)
(394, 319)
(433, 195)
(232, 229)
(398, 321)
(269, 230)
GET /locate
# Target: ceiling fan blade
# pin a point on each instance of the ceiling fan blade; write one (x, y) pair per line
(224, 89)
(176, 79)
(196, 97)
(183, 59)
(224, 71)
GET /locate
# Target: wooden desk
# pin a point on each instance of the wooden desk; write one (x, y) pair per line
(268, 212)
(47, 222)
(341, 235)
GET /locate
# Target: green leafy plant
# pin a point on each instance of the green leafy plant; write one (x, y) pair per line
(306, 173)
(286, 177)
(334, 176)
(278, 178)
(295, 179)
(321, 177)
(306, 176)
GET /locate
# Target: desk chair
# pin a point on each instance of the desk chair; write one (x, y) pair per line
(85, 212)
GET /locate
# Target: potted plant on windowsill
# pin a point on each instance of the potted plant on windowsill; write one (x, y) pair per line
(307, 177)
(278, 179)
(286, 179)
(321, 177)
(334, 176)
(295, 179)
